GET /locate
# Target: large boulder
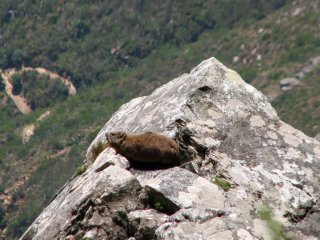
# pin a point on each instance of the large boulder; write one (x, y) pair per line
(245, 173)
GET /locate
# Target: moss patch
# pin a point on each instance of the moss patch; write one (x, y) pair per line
(225, 185)
(81, 169)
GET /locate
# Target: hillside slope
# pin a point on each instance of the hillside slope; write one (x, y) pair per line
(89, 44)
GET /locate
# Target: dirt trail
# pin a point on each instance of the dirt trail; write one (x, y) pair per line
(28, 130)
(24, 107)
(6, 197)
(60, 153)
(67, 82)
(21, 102)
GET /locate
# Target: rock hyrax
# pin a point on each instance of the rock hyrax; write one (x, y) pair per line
(145, 148)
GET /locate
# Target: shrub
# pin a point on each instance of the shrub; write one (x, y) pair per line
(2, 214)
(53, 17)
(296, 54)
(275, 75)
(81, 169)
(2, 188)
(40, 90)
(18, 224)
(98, 148)
(82, 28)
(248, 74)
(304, 39)
(16, 82)
(265, 36)
(2, 86)
(17, 195)
(16, 58)
(158, 207)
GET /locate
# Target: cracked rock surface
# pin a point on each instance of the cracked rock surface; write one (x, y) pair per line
(239, 158)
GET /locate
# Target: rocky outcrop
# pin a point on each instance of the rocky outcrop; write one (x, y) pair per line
(312, 64)
(288, 83)
(246, 174)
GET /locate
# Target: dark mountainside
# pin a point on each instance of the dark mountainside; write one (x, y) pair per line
(114, 51)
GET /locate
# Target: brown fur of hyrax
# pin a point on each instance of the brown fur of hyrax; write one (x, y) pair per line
(145, 148)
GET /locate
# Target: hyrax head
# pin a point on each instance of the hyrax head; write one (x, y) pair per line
(115, 138)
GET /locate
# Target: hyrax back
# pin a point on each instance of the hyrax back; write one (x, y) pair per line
(145, 148)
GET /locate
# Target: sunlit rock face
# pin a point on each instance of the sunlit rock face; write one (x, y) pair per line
(244, 171)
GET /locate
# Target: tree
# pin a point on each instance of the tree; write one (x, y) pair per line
(82, 28)
(16, 58)
(16, 82)
(2, 86)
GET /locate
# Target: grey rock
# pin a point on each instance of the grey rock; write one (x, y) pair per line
(143, 223)
(211, 82)
(317, 137)
(307, 69)
(289, 83)
(313, 63)
(108, 158)
(227, 130)
(91, 234)
(96, 220)
(75, 204)
(177, 188)
(300, 75)
(195, 215)
(214, 229)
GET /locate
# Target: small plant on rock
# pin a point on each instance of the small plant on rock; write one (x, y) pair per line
(158, 207)
(225, 185)
(274, 226)
(98, 148)
(81, 169)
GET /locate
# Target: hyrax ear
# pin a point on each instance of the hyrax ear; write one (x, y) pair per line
(107, 136)
(122, 136)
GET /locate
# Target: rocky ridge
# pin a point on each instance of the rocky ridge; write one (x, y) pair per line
(246, 175)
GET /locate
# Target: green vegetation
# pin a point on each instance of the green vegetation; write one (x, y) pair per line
(40, 90)
(275, 227)
(2, 86)
(248, 74)
(67, 127)
(81, 169)
(225, 185)
(300, 106)
(2, 213)
(98, 148)
(19, 224)
(80, 39)
(158, 207)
